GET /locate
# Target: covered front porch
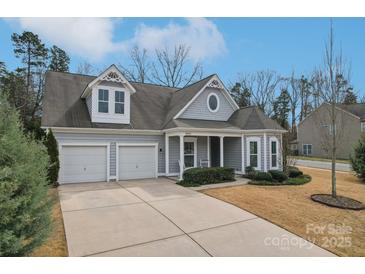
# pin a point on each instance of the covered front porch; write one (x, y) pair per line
(185, 150)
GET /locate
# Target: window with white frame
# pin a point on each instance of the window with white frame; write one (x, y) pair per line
(119, 102)
(274, 153)
(103, 103)
(253, 148)
(190, 152)
(213, 102)
(307, 149)
(362, 126)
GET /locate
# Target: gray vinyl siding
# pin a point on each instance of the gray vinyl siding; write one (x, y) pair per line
(89, 104)
(232, 152)
(202, 149)
(113, 159)
(85, 138)
(174, 154)
(199, 109)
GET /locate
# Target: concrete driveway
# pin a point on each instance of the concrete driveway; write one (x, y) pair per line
(159, 218)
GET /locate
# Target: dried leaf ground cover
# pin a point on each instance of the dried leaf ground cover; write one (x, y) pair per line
(337, 230)
(55, 245)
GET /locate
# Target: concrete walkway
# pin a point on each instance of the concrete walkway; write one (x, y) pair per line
(323, 165)
(159, 218)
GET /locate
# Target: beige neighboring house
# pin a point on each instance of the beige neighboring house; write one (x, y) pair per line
(314, 132)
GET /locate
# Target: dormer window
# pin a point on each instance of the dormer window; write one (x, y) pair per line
(119, 102)
(103, 104)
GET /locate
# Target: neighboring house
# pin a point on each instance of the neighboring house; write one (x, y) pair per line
(110, 129)
(315, 131)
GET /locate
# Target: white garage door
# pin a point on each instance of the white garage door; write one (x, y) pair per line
(137, 162)
(83, 164)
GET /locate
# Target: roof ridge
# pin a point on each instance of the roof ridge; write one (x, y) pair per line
(152, 84)
(73, 73)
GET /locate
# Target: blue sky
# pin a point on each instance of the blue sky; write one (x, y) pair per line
(226, 46)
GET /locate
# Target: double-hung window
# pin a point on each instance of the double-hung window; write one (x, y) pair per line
(119, 102)
(254, 161)
(307, 149)
(362, 126)
(190, 152)
(274, 154)
(103, 103)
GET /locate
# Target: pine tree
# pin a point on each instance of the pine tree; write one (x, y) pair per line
(60, 61)
(241, 96)
(54, 166)
(281, 108)
(25, 208)
(358, 159)
(350, 97)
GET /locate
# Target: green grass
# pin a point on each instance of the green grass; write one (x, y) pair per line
(303, 179)
(321, 159)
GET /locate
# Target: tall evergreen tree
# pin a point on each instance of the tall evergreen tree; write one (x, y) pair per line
(60, 61)
(51, 143)
(32, 52)
(242, 96)
(281, 108)
(25, 208)
(350, 97)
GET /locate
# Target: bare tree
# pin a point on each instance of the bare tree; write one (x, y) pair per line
(138, 70)
(293, 89)
(85, 68)
(262, 86)
(334, 82)
(172, 69)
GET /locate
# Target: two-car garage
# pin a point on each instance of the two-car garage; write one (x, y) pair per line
(92, 162)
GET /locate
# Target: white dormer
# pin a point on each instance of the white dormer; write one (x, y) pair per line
(108, 97)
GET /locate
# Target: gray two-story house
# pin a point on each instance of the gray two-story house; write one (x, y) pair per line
(315, 131)
(109, 128)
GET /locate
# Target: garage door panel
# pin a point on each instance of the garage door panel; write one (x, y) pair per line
(137, 162)
(84, 164)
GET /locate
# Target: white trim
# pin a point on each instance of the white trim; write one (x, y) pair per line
(167, 154)
(84, 144)
(105, 131)
(112, 68)
(258, 140)
(119, 144)
(274, 139)
(243, 153)
(265, 152)
(181, 156)
(195, 141)
(225, 92)
(221, 152)
(208, 105)
(208, 151)
(210, 131)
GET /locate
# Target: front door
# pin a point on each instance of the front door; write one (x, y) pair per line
(215, 151)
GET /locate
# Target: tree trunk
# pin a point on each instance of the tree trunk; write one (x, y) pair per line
(334, 192)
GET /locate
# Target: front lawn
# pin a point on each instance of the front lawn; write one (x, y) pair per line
(337, 230)
(55, 245)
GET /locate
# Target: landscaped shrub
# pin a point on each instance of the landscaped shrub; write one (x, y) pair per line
(24, 207)
(358, 159)
(249, 172)
(300, 180)
(211, 175)
(293, 172)
(262, 176)
(54, 166)
(278, 175)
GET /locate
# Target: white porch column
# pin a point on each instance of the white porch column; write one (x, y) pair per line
(167, 155)
(243, 153)
(221, 151)
(181, 138)
(208, 151)
(265, 153)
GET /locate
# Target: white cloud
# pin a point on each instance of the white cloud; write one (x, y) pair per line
(90, 38)
(200, 34)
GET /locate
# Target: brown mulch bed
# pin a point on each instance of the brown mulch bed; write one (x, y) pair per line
(55, 245)
(339, 201)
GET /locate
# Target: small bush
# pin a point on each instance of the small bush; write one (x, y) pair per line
(262, 176)
(358, 159)
(294, 172)
(303, 179)
(203, 176)
(278, 175)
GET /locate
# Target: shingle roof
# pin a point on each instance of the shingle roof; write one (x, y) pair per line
(356, 109)
(152, 106)
(253, 118)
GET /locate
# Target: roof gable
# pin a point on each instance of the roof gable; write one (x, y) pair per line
(111, 74)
